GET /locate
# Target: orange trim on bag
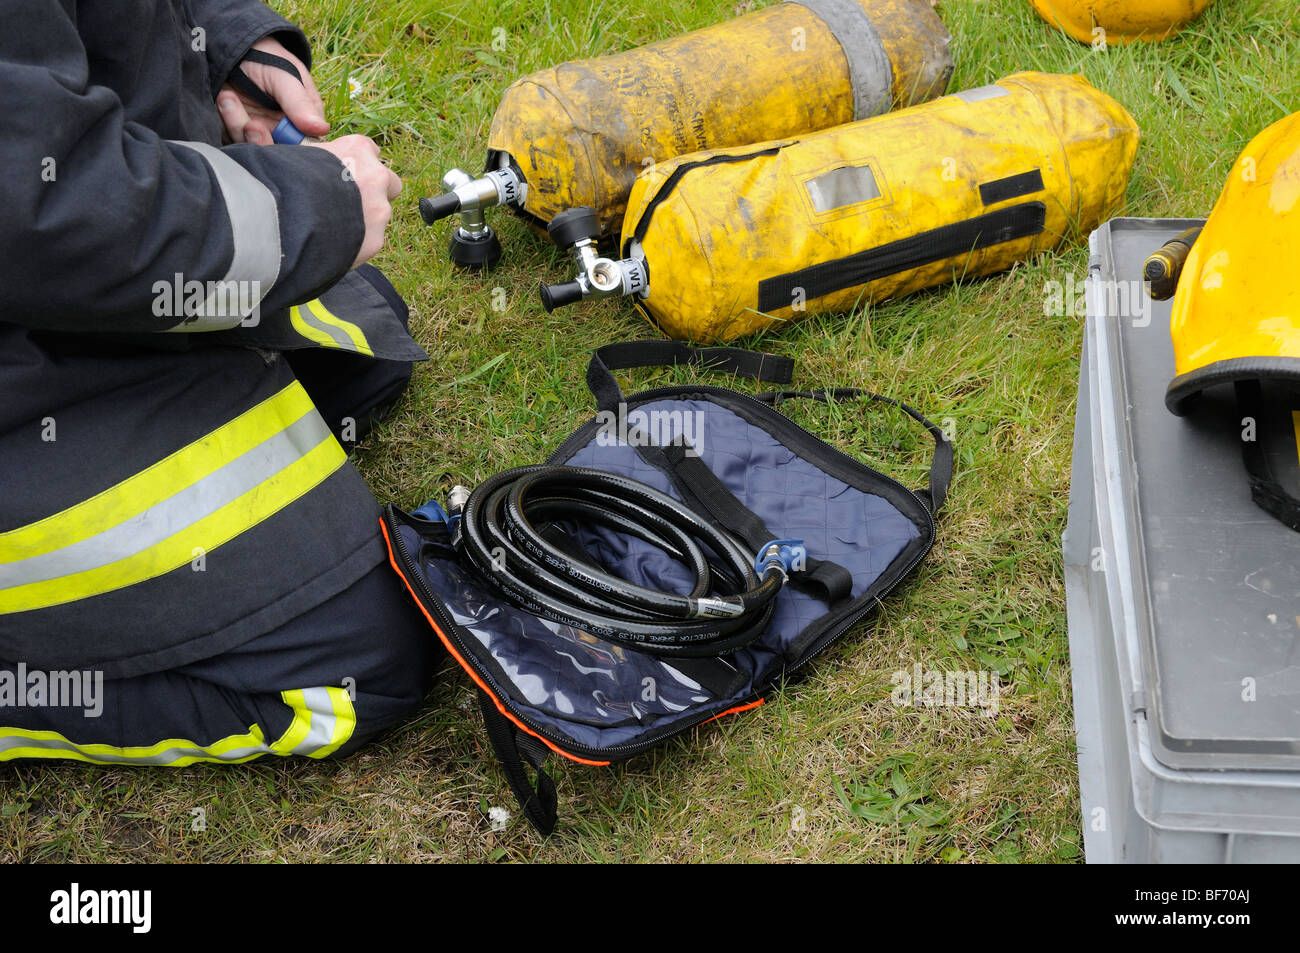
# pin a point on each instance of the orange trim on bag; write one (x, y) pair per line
(392, 559)
(735, 711)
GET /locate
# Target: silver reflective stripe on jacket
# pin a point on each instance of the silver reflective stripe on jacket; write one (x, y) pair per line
(186, 507)
(255, 231)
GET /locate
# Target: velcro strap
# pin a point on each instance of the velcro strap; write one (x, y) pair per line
(1268, 494)
(831, 581)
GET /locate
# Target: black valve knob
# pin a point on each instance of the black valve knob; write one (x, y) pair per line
(573, 225)
(474, 252)
(431, 210)
(558, 296)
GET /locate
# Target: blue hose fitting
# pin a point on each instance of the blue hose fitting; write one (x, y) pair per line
(431, 511)
(787, 555)
(286, 133)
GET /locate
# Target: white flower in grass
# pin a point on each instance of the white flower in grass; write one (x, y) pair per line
(499, 817)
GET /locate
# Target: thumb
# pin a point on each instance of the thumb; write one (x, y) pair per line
(302, 108)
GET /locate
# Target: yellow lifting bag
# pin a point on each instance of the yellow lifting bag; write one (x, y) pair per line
(578, 134)
(724, 243)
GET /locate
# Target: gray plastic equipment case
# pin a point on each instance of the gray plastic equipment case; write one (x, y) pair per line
(1183, 600)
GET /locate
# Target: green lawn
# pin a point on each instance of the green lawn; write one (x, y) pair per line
(872, 782)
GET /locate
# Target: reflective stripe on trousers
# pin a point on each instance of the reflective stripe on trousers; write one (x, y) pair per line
(323, 721)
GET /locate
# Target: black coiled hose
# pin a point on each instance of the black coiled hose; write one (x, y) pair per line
(728, 607)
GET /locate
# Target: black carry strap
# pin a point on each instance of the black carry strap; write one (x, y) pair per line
(711, 496)
(700, 486)
(1268, 494)
(940, 466)
(239, 79)
(768, 368)
(514, 749)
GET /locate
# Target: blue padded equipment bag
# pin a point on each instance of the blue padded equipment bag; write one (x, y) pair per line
(739, 463)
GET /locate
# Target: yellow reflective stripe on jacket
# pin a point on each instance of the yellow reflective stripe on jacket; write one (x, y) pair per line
(323, 721)
(149, 487)
(318, 323)
(198, 498)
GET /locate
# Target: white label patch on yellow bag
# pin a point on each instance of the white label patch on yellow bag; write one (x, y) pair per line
(841, 187)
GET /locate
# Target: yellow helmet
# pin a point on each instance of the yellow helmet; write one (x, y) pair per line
(1122, 21)
(1236, 311)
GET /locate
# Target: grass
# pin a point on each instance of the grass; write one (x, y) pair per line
(829, 769)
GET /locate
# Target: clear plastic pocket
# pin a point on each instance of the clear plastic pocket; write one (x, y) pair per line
(562, 671)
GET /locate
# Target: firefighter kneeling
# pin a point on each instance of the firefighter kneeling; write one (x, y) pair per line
(190, 568)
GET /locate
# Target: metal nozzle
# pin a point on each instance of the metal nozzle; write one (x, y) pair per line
(1165, 265)
(576, 231)
(473, 243)
(457, 498)
(468, 194)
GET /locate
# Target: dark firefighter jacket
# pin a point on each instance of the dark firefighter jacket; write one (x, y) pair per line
(167, 490)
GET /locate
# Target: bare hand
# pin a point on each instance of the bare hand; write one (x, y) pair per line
(378, 185)
(246, 121)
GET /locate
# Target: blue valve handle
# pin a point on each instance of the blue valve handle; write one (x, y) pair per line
(788, 555)
(434, 512)
(286, 133)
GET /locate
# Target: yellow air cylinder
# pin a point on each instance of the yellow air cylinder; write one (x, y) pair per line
(736, 240)
(1119, 21)
(581, 132)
